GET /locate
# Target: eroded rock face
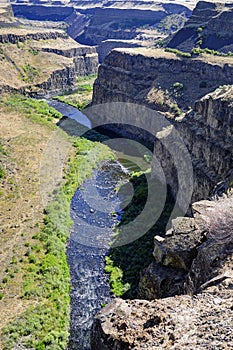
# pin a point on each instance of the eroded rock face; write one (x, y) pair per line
(207, 132)
(181, 322)
(199, 321)
(39, 62)
(147, 77)
(209, 26)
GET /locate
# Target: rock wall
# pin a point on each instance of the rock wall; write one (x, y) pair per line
(42, 12)
(209, 26)
(85, 58)
(43, 62)
(130, 76)
(188, 260)
(16, 37)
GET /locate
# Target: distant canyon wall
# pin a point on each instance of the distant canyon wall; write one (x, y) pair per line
(41, 62)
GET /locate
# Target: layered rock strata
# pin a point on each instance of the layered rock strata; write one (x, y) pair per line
(40, 62)
(209, 26)
(150, 77)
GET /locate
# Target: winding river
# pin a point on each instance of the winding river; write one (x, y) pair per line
(95, 210)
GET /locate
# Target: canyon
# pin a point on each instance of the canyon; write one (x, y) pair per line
(162, 81)
(39, 62)
(111, 24)
(184, 297)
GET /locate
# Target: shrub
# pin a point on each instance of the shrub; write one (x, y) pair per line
(176, 110)
(178, 52)
(2, 172)
(178, 86)
(219, 219)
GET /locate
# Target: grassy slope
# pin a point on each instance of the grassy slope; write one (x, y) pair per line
(83, 96)
(35, 279)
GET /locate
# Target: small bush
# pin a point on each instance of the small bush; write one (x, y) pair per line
(176, 110)
(2, 172)
(178, 86)
(178, 52)
(219, 219)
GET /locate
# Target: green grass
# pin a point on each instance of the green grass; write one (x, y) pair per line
(2, 154)
(74, 102)
(178, 52)
(84, 78)
(197, 51)
(30, 73)
(81, 98)
(46, 271)
(36, 110)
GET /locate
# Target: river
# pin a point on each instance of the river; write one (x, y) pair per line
(95, 210)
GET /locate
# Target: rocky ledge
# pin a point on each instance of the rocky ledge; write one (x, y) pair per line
(39, 62)
(197, 256)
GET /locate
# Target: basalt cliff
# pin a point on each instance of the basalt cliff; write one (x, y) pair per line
(186, 91)
(185, 294)
(208, 27)
(38, 62)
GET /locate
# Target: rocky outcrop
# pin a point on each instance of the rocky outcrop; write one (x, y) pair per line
(181, 322)
(15, 35)
(209, 26)
(197, 255)
(85, 58)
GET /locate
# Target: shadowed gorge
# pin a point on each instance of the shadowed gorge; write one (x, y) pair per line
(116, 175)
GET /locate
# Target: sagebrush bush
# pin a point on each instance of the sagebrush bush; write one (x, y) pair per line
(219, 219)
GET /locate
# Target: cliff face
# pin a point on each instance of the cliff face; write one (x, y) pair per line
(40, 61)
(91, 23)
(209, 26)
(188, 261)
(208, 135)
(150, 79)
(148, 76)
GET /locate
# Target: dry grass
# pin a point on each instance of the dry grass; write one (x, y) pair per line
(15, 58)
(21, 210)
(161, 53)
(219, 219)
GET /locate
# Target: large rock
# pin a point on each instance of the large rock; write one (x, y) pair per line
(181, 322)
(158, 281)
(200, 321)
(180, 249)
